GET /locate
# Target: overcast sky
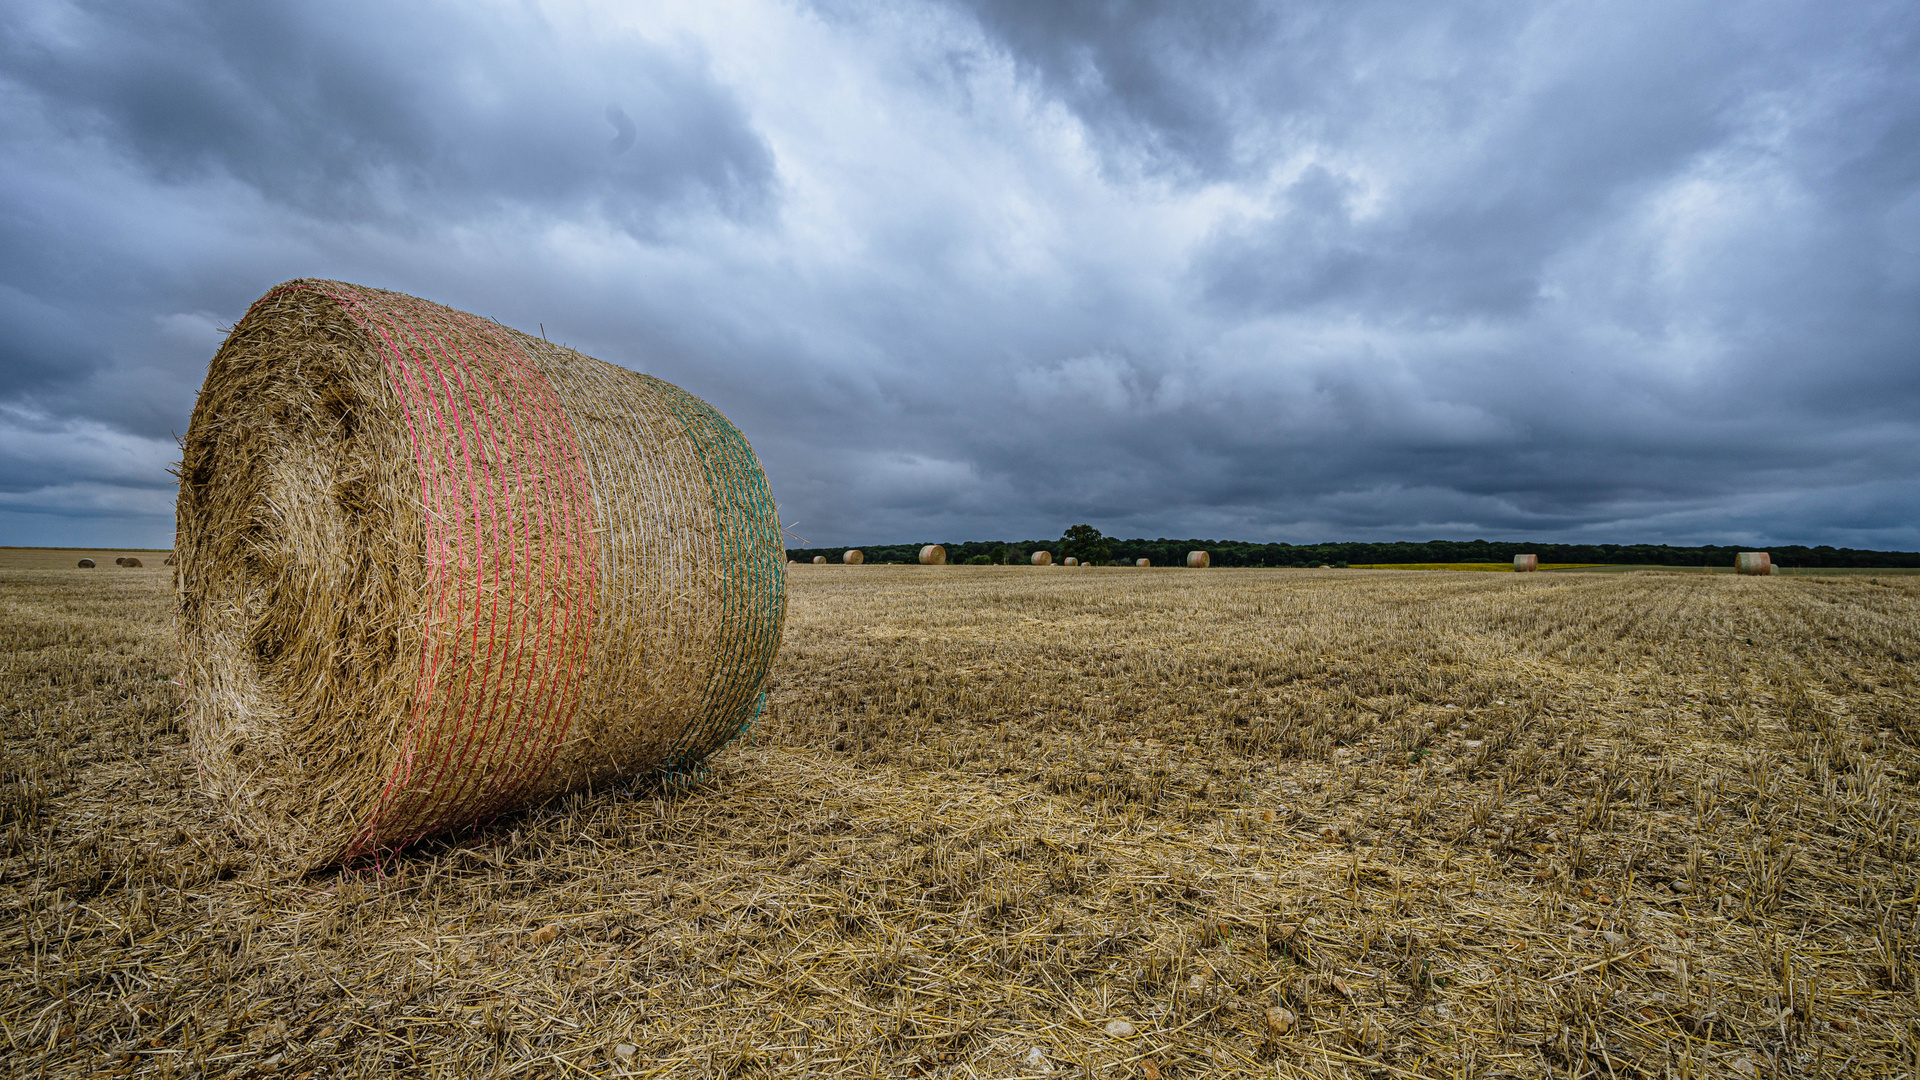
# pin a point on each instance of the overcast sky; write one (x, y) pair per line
(1611, 272)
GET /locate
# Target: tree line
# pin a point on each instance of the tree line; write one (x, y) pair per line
(1087, 544)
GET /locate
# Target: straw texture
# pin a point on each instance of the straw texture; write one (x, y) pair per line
(1043, 558)
(1071, 561)
(1143, 562)
(933, 555)
(86, 564)
(1753, 562)
(853, 557)
(819, 558)
(1526, 564)
(432, 569)
(1199, 559)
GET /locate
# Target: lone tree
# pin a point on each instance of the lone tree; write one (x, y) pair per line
(1085, 543)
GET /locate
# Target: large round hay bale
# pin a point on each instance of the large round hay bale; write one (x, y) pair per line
(86, 564)
(1752, 562)
(432, 568)
(853, 557)
(128, 561)
(1071, 561)
(933, 555)
(1526, 564)
(1043, 558)
(1143, 562)
(1199, 559)
(819, 558)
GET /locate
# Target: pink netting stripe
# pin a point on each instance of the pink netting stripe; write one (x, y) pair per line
(509, 522)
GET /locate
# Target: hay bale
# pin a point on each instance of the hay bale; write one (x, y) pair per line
(1143, 562)
(86, 564)
(933, 555)
(432, 569)
(1199, 559)
(1324, 566)
(819, 559)
(1752, 562)
(168, 561)
(1071, 561)
(128, 561)
(1043, 558)
(1526, 564)
(853, 557)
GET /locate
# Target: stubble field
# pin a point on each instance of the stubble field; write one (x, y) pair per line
(1017, 822)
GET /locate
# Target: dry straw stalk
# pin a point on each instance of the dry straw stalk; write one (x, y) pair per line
(432, 568)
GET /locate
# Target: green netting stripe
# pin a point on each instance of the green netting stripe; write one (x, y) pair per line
(754, 560)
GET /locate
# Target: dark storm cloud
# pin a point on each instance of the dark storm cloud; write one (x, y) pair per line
(1633, 272)
(362, 109)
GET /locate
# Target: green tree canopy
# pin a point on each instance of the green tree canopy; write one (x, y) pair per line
(1085, 543)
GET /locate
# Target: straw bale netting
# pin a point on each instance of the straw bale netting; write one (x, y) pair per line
(1043, 558)
(819, 559)
(1526, 564)
(1753, 562)
(1071, 561)
(853, 557)
(1143, 562)
(86, 564)
(432, 569)
(933, 555)
(1199, 559)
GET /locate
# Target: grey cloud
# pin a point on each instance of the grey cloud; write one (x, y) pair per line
(367, 110)
(1637, 272)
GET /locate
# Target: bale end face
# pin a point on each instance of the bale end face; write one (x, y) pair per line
(1199, 559)
(86, 564)
(1757, 563)
(933, 555)
(1526, 564)
(818, 559)
(1071, 561)
(1143, 562)
(129, 562)
(853, 557)
(1043, 558)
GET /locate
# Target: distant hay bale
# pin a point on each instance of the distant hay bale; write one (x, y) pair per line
(86, 564)
(1526, 564)
(853, 557)
(1043, 558)
(1199, 559)
(1143, 562)
(128, 561)
(1753, 562)
(432, 569)
(1324, 566)
(819, 558)
(168, 561)
(933, 555)
(1071, 561)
